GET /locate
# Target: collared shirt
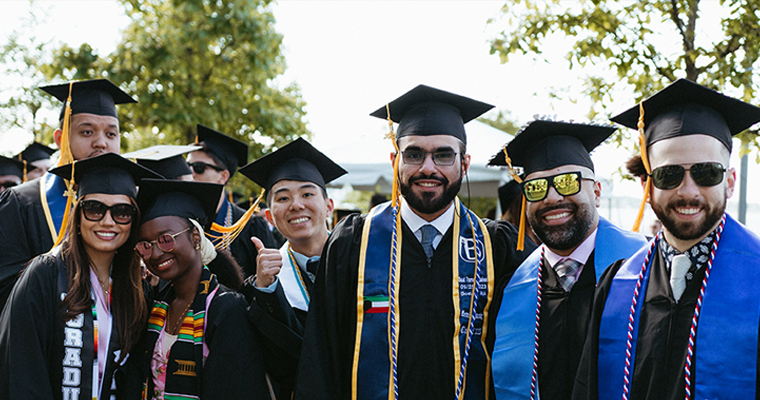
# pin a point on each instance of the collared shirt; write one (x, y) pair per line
(580, 254)
(415, 222)
(699, 254)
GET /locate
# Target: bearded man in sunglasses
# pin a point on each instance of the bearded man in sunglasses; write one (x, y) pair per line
(679, 319)
(555, 284)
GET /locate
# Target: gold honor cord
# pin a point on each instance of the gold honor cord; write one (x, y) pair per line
(70, 194)
(516, 177)
(647, 168)
(234, 229)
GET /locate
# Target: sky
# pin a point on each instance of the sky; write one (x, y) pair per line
(352, 57)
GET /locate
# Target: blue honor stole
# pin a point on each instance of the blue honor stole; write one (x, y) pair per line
(516, 321)
(373, 370)
(52, 188)
(727, 329)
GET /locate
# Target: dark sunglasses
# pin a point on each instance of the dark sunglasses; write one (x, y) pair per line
(566, 184)
(417, 157)
(94, 210)
(164, 242)
(704, 174)
(199, 167)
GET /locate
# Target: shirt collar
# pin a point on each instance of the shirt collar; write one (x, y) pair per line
(580, 254)
(300, 258)
(699, 254)
(414, 221)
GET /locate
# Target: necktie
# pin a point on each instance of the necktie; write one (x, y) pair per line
(566, 270)
(312, 265)
(678, 268)
(428, 234)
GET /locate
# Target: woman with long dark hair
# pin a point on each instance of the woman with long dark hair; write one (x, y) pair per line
(199, 343)
(77, 311)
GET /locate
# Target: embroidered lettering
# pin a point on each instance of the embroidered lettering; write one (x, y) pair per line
(73, 337)
(76, 322)
(467, 250)
(70, 393)
(73, 357)
(185, 368)
(71, 376)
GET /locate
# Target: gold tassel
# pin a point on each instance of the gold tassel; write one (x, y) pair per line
(66, 156)
(512, 170)
(392, 136)
(70, 194)
(23, 161)
(521, 229)
(234, 229)
(645, 161)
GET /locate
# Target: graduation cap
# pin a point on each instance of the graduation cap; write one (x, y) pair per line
(166, 160)
(96, 96)
(11, 166)
(687, 108)
(187, 199)
(427, 111)
(543, 145)
(107, 173)
(681, 109)
(231, 151)
(35, 152)
(296, 161)
(508, 192)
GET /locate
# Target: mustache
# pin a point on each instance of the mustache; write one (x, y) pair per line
(686, 203)
(440, 179)
(569, 207)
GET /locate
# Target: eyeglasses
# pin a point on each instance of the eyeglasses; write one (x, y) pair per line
(417, 157)
(199, 167)
(704, 174)
(8, 184)
(566, 184)
(94, 210)
(164, 242)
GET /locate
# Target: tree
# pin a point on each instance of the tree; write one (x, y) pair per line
(502, 122)
(646, 44)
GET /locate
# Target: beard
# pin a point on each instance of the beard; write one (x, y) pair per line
(567, 235)
(430, 203)
(693, 229)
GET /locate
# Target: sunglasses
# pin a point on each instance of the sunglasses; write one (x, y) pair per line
(417, 157)
(199, 167)
(95, 211)
(164, 242)
(704, 174)
(566, 184)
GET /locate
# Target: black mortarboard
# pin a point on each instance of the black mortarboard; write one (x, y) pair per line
(508, 192)
(686, 108)
(296, 161)
(11, 166)
(96, 96)
(35, 152)
(166, 160)
(542, 145)
(231, 151)
(426, 111)
(187, 199)
(107, 173)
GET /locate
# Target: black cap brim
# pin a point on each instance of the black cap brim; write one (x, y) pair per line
(426, 111)
(508, 192)
(96, 96)
(11, 166)
(296, 161)
(35, 152)
(231, 151)
(196, 200)
(107, 173)
(166, 160)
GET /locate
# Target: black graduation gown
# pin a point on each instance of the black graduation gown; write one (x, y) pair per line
(242, 248)
(24, 232)
(663, 337)
(425, 356)
(36, 344)
(234, 368)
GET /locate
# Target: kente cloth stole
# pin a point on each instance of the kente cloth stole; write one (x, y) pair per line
(183, 370)
(373, 370)
(516, 322)
(725, 358)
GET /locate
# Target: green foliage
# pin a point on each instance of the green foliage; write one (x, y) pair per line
(502, 122)
(645, 44)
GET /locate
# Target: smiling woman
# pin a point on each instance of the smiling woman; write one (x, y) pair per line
(79, 309)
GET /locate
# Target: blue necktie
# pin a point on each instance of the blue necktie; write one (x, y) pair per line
(566, 270)
(428, 234)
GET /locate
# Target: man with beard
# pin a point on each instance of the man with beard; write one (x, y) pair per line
(32, 214)
(555, 284)
(679, 319)
(401, 300)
